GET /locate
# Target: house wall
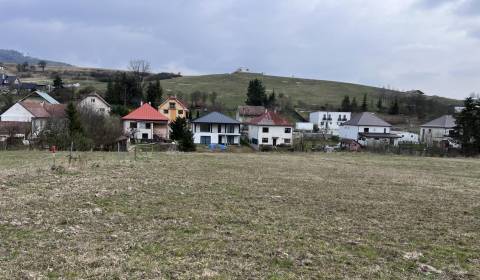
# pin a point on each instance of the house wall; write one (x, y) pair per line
(215, 132)
(172, 114)
(16, 113)
(95, 104)
(329, 121)
(160, 129)
(278, 132)
(351, 131)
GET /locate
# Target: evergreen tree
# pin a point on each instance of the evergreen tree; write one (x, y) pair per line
(110, 95)
(186, 144)
(354, 105)
(380, 104)
(74, 124)
(346, 107)
(178, 128)
(467, 130)
(57, 82)
(364, 107)
(394, 108)
(256, 95)
(272, 100)
(154, 93)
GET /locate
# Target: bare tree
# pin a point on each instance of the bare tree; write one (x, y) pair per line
(42, 64)
(140, 68)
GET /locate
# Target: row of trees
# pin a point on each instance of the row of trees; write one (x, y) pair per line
(25, 67)
(353, 106)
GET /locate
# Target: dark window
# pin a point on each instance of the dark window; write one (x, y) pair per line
(172, 105)
(93, 100)
(205, 140)
(180, 112)
(265, 129)
(230, 129)
(254, 141)
(264, 140)
(204, 127)
(287, 141)
(144, 135)
(165, 111)
(148, 125)
(219, 128)
(288, 130)
(133, 125)
(366, 129)
(384, 130)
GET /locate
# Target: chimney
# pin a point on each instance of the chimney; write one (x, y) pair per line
(149, 103)
(141, 103)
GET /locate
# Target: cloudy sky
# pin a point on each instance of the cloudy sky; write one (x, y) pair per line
(432, 45)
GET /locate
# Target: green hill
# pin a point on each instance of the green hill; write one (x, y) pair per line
(304, 93)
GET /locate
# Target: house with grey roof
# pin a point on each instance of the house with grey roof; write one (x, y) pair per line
(216, 128)
(437, 130)
(367, 129)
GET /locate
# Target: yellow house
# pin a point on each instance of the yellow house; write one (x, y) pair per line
(173, 107)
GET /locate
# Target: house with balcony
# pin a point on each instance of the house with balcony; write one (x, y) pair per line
(146, 124)
(216, 128)
(172, 108)
(329, 122)
(270, 129)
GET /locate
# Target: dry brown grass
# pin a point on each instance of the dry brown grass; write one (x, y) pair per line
(243, 216)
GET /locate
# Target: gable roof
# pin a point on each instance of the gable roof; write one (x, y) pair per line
(174, 98)
(145, 113)
(215, 117)
(251, 111)
(366, 119)
(43, 95)
(270, 118)
(94, 94)
(446, 121)
(45, 110)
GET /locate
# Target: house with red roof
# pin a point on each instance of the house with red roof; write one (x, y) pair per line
(270, 129)
(146, 124)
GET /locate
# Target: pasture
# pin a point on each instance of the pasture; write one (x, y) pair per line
(239, 216)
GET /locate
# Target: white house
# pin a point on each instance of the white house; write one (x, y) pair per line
(367, 129)
(216, 128)
(95, 102)
(437, 130)
(146, 124)
(406, 137)
(270, 129)
(330, 122)
(36, 113)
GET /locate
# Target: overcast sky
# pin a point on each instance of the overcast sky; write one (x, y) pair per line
(432, 45)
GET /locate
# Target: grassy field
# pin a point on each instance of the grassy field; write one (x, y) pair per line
(239, 216)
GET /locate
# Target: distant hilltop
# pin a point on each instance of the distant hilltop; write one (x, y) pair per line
(13, 56)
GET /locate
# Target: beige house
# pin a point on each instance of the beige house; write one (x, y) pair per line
(172, 108)
(437, 130)
(96, 103)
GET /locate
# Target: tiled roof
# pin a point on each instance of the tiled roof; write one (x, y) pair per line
(270, 118)
(251, 111)
(216, 117)
(145, 113)
(45, 110)
(366, 119)
(446, 121)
